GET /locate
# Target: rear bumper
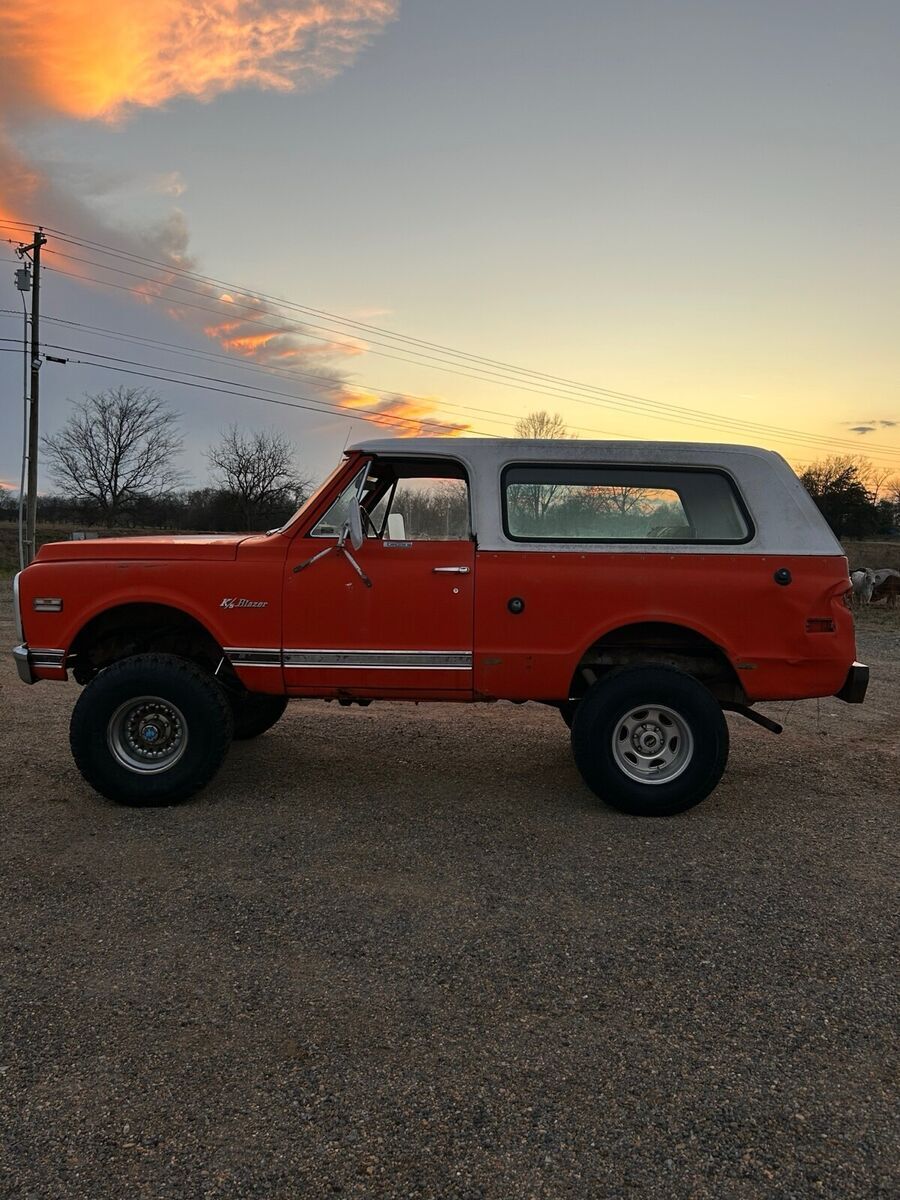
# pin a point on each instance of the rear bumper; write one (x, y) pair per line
(23, 664)
(854, 689)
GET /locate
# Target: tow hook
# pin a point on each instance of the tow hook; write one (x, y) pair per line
(755, 717)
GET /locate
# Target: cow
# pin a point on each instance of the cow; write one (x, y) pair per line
(863, 585)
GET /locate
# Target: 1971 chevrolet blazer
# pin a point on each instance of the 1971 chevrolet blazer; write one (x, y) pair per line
(639, 587)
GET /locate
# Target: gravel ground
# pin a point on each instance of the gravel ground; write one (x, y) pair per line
(399, 952)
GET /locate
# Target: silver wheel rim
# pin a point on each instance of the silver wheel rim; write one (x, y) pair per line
(147, 735)
(652, 744)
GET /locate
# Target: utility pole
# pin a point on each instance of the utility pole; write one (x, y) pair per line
(34, 390)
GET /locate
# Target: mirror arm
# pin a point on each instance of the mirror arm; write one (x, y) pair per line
(339, 545)
(356, 567)
(315, 558)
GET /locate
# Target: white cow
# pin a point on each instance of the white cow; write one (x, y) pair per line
(863, 585)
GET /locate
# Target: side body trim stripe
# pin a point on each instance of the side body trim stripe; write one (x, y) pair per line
(384, 660)
(380, 660)
(252, 656)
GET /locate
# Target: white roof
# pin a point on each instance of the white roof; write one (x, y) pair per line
(785, 518)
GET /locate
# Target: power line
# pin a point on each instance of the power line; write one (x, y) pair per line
(623, 402)
(323, 408)
(210, 280)
(493, 416)
(732, 426)
(376, 418)
(620, 401)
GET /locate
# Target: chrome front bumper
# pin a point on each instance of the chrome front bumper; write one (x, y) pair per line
(23, 664)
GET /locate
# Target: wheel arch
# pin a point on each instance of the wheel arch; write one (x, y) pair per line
(137, 627)
(663, 643)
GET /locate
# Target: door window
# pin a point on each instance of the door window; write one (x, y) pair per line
(424, 509)
(417, 501)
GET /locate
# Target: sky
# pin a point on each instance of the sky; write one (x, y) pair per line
(663, 219)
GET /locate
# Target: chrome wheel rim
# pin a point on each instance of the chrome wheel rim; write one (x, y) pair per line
(652, 744)
(147, 735)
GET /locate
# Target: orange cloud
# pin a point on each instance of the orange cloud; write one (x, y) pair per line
(99, 61)
(279, 339)
(407, 416)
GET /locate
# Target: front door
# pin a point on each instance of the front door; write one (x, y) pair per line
(402, 623)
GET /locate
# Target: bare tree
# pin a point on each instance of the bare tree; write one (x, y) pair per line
(622, 500)
(874, 478)
(258, 468)
(116, 446)
(877, 480)
(533, 499)
(543, 425)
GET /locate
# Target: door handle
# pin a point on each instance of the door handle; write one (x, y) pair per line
(450, 570)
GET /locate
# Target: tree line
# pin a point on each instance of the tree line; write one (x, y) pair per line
(856, 498)
(114, 464)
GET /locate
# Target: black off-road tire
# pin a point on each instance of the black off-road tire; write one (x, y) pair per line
(255, 712)
(567, 711)
(199, 728)
(608, 722)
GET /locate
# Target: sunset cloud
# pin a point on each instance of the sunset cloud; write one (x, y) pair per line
(408, 416)
(81, 60)
(101, 61)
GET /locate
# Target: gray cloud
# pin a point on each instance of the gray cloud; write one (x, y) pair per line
(872, 425)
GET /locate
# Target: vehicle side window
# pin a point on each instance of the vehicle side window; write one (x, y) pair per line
(427, 508)
(621, 504)
(332, 522)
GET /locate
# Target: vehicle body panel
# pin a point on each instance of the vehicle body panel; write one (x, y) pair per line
(412, 629)
(571, 601)
(176, 547)
(198, 588)
(322, 632)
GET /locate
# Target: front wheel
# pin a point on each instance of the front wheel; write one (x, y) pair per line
(650, 741)
(150, 729)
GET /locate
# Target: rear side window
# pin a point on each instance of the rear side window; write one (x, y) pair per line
(545, 503)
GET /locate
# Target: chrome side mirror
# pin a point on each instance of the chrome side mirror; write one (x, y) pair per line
(353, 526)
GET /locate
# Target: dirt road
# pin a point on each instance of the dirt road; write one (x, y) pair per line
(400, 952)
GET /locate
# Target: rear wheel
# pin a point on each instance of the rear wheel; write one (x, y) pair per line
(150, 729)
(255, 712)
(651, 741)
